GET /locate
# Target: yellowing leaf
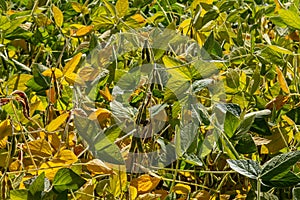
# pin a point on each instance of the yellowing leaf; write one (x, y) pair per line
(67, 156)
(96, 166)
(5, 129)
(181, 188)
(71, 65)
(284, 86)
(58, 16)
(86, 191)
(106, 94)
(39, 147)
(74, 78)
(122, 7)
(88, 73)
(62, 159)
(57, 72)
(203, 195)
(101, 114)
(55, 124)
(145, 183)
(118, 182)
(83, 31)
(80, 8)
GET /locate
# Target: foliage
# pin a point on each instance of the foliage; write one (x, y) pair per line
(61, 138)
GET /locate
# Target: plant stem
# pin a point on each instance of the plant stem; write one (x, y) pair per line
(258, 189)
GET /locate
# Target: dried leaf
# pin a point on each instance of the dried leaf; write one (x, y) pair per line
(278, 102)
(55, 124)
(24, 101)
(58, 16)
(283, 84)
(101, 114)
(145, 183)
(106, 94)
(96, 166)
(4, 101)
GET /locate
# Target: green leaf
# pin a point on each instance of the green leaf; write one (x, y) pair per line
(18, 194)
(290, 18)
(261, 126)
(245, 124)
(66, 179)
(249, 168)
(280, 49)
(232, 78)
(255, 81)
(231, 124)
(122, 7)
(288, 180)
(279, 164)
(245, 144)
(38, 185)
(296, 193)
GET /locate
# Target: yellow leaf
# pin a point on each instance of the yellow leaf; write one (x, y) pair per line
(55, 124)
(132, 192)
(118, 182)
(15, 166)
(101, 114)
(278, 6)
(74, 78)
(62, 159)
(57, 72)
(5, 129)
(181, 188)
(138, 18)
(3, 142)
(96, 166)
(54, 141)
(86, 191)
(80, 8)
(88, 73)
(202, 195)
(284, 86)
(67, 156)
(76, 6)
(83, 31)
(71, 65)
(58, 16)
(106, 94)
(39, 147)
(122, 7)
(145, 183)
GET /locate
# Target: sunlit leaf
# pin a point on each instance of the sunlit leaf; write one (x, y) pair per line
(122, 7)
(55, 124)
(145, 183)
(181, 189)
(71, 65)
(283, 84)
(58, 16)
